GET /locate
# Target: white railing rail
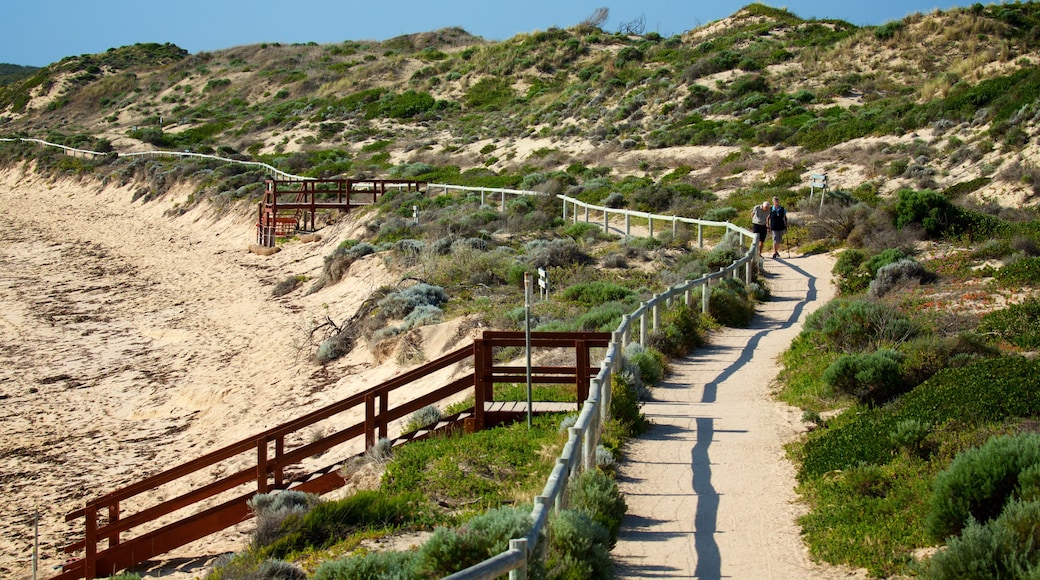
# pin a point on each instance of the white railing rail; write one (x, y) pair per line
(85, 153)
(580, 451)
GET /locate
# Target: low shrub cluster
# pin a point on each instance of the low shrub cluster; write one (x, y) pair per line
(730, 303)
(1018, 324)
(952, 396)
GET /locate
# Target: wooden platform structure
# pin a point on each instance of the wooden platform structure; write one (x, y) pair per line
(135, 523)
(289, 206)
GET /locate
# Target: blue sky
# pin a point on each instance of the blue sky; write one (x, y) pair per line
(40, 32)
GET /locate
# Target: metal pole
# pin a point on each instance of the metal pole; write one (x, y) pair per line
(527, 339)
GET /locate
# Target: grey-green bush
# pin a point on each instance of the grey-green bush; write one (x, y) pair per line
(870, 377)
(979, 482)
(596, 494)
(891, 276)
(579, 548)
(449, 550)
(1005, 548)
(371, 566)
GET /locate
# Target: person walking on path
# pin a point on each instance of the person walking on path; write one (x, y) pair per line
(759, 217)
(710, 492)
(777, 223)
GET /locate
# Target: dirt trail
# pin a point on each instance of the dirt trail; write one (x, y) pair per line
(710, 493)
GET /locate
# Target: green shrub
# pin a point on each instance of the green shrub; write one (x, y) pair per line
(595, 293)
(680, 332)
(727, 251)
(651, 365)
(857, 325)
(1021, 272)
(979, 483)
(273, 509)
(909, 434)
(603, 317)
(327, 522)
(401, 304)
(338, 262)
(851, 277)
(582, 230)
(867, 479)
(371, 566)
(428, 415)
(626, 419)
(1019, 324)
(940, 218)
(449, 550)
(579, 549)
(555, 253)
(930, 353)
(1005, 548)
(873, 377)
(596, 494)
(730, 305)
(895, 274)
(953, 394)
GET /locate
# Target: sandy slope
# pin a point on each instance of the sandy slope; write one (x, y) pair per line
(131, 341)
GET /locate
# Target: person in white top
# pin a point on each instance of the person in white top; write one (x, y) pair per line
(759, 217)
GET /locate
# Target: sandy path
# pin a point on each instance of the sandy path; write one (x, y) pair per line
(710, 494)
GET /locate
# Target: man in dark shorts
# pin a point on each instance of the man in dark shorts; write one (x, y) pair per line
(777, 223)
(759, 216)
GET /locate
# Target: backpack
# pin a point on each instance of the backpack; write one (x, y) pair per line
(778, 216)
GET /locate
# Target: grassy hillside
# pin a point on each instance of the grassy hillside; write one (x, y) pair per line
(921, 101)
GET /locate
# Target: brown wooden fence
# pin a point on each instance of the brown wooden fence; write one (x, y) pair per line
(135, 523)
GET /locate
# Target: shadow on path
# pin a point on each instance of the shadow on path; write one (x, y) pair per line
(705, 519)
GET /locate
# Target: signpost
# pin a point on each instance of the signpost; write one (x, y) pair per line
(527, 340)
(818, 180)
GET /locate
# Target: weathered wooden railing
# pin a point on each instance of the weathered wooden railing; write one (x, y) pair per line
(268, 456)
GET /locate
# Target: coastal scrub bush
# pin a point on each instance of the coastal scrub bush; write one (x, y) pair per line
(579, 548)
(555, 253)
(873, 377)
(371, 566)
(1019, 324)
(953, 394)
(338, 262)
(727, 251)
(400, 304)
(730, 305)
(857, 325)
(428, 415)
(451, 549)
(851, 277)
(980, 482)
(891, 276)
(596, 494)
(272, 509)
(590, 294)
(327, 522)
(1003, 548)
(680, 332)
(1021, 272)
